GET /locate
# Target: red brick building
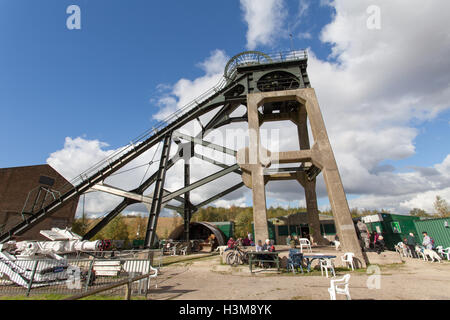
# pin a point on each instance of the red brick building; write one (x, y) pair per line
(33, 186)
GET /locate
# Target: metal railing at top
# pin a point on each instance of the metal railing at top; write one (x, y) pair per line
(288, 55)
(256, 58)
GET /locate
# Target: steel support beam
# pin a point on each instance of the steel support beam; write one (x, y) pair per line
(215, 162)
(187, 208)
(126, 202)
(220, 195)
(200, 182)
(205, 143)
(158, 193)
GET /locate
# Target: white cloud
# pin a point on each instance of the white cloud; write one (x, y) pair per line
(80, 154)
(305, 35)
(382, 81)
(184, 91)
(265, 21)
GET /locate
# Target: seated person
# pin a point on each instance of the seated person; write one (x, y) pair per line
(268, 246)
(375, 238)
(230, 244)
(259, 246)
(246, 242)
(288, 240)
(380, 245)
(271, 247)
(214, 242)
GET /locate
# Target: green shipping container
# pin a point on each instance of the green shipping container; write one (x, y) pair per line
(438, 229)
(226, 227)
(394, 228)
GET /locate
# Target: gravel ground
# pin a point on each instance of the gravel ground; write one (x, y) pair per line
(208, 279)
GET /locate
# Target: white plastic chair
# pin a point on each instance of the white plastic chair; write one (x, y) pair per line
(304, 242)
(326, 264)
(340, 286)
(348, 259)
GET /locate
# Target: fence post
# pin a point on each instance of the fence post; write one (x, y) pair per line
(89, 274)
(30, 283)
(151, 258)
(128, 291)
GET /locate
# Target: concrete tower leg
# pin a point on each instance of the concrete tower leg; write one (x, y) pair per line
(309, 186)
(257, 174)
(323, 152)
(312, 210)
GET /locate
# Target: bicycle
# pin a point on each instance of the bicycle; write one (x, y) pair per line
(237, 257)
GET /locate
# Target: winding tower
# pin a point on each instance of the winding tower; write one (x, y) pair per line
(272, 87)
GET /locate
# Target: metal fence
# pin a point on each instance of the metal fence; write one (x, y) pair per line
(79, 274)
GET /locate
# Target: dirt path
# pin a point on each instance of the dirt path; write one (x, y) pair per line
(207, 279)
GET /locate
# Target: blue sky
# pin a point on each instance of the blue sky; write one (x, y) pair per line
(101, 82)
(98, 81)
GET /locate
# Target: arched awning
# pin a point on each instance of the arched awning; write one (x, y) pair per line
(197, 228)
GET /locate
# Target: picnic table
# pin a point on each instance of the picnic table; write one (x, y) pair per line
(260, 256)
(311, 257)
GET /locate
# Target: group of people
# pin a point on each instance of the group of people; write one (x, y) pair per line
(246, 242)
(268, 246)
(411, 243)
(374, 241)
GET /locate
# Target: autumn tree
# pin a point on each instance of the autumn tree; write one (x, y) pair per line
(441, 207)
(117, 229)
(416, 212)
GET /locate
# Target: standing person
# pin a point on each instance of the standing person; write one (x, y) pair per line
(411, 243)
(427, 243)
(364, 233)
